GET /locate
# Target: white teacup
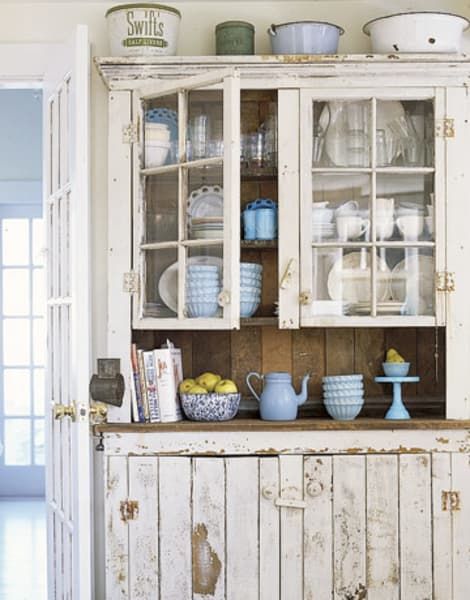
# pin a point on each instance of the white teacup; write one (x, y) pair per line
(350, 227)
(384, 226)
(322, 215)
(385, 205)
(411, 226)
(429, 224)
(347, 208)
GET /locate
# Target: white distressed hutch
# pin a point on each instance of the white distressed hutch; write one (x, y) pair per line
(313, 508)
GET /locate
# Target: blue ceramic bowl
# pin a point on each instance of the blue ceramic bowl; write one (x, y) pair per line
(248, 308)
(210, 407)
(343, 412)
(392, 369)
(202, 309)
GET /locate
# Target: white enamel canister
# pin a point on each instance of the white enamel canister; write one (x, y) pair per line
(143, 29)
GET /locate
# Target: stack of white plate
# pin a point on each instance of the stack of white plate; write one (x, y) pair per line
(202, 290)
(343, 396)
(204, 228)
(250, 288)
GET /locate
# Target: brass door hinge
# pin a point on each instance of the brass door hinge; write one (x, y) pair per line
(450, 500)
(129, 510)
(64, 410)
(130, 133)
(288, 274)
(130, 282)
(445, 281)
(445, 128)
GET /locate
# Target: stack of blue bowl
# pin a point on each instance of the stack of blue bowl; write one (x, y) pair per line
(250, 288)
(343, 396)
(202, 290)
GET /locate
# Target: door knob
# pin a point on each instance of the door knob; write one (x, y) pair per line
(98, 413)
(64, 410)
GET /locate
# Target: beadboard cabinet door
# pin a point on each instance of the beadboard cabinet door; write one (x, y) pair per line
(377, 526)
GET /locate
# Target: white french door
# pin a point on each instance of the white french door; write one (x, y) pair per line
(66, 211)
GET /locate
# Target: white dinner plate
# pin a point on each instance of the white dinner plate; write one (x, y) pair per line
(419, 268)
(349, 278)
(206, 201)
(168, 282)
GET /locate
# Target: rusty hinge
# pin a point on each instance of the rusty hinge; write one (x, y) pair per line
(445, 281)
(130, 282)
(445, 128)
(130, 133)
(450, 500)
(288, 274)
(129, 510)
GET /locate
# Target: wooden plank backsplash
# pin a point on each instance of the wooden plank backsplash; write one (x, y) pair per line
(319, 351)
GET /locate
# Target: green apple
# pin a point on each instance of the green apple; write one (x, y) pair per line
(197, 389)
(208, 380)
(226, 386)
(186, 385)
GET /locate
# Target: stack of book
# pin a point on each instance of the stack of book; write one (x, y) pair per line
(156, 376)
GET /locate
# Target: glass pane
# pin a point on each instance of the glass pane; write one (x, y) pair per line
(38, 242)
(161, 283)
(39, 454)
(39, 342)
(205, 204)
(341, 134)
(340, 209)
(17, 392)
(39, 298)
(17, 442)
(161, 208)
(405, 133)
(205, 124)
(204, 280)
(38, 392)
(342, 279)
(404, 207)
(15, 241)
(412, 281)
(161, 131)
(16, 293)
(258, 132)
(16, 341)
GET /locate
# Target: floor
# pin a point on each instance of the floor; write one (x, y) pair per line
(22, 550)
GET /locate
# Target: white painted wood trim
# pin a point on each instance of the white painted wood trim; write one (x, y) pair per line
(440, 204)
(441, 481)
(269, 529)
(159, 88)
(460, 525)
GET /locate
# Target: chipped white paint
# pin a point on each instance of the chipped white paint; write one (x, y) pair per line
(441, 527)
(415, 526)
(269, 530)
(460, 526)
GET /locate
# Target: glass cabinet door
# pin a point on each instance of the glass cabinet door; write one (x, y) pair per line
(186, 204)
(369, 244)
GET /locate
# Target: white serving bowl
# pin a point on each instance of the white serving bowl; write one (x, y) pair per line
(342, 378)
(157, 132)
(248, 307)
(416, 32)
(156, 153)
(343, 412)
(344, 397)
(343, 387)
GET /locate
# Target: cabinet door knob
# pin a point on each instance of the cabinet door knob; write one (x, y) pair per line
(314, 488)
(224, 298)
(306, 298)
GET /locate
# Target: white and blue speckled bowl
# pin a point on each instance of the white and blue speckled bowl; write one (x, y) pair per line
(210, 407)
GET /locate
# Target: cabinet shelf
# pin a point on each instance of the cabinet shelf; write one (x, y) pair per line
(258, 244)
(259, 322)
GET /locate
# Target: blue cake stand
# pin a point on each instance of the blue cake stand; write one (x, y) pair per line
(397, 410)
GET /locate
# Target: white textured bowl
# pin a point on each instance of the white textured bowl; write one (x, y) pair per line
(343, 412)
(156, 153)
(343, 398)
(342, 378)
(343, 387)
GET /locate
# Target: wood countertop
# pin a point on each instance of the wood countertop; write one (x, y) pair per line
(241, 424)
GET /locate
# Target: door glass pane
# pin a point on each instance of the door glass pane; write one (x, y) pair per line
(412, 281)
(205, 124)
(39, 342)
(39, 454)
(205, 204)
(15, 241)
(16, 341)
(38, 392)
(39, 297)
(340, 209)
(16, 293)
(259, 133)
(405, 133)
(17, 442)
(17, 392)
(161, 131)
(204, 280)
(161, 208)
(161, 283)
(38, 242)
(341, 133)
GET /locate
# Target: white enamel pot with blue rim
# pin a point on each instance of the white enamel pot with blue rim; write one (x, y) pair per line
(305, 37)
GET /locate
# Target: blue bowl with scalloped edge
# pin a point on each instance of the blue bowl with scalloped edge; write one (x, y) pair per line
(395, 369)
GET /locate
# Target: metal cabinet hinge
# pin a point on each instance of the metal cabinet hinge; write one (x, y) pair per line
(130, 133)
(129, 510)
(130, 282)
(445, 128)
(445, 281)
(450, 500)
(286, 278)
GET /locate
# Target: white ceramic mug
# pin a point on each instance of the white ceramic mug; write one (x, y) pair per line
(385, 205)
(384, 226)
(350, 227)
(347, 208)
(322, 215)
(411, 226)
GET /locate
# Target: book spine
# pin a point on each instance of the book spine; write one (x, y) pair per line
(151, 383)
(136, 391)
(143, 386)
(170, 409)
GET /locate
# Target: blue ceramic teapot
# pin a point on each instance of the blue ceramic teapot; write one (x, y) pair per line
(278, 401)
